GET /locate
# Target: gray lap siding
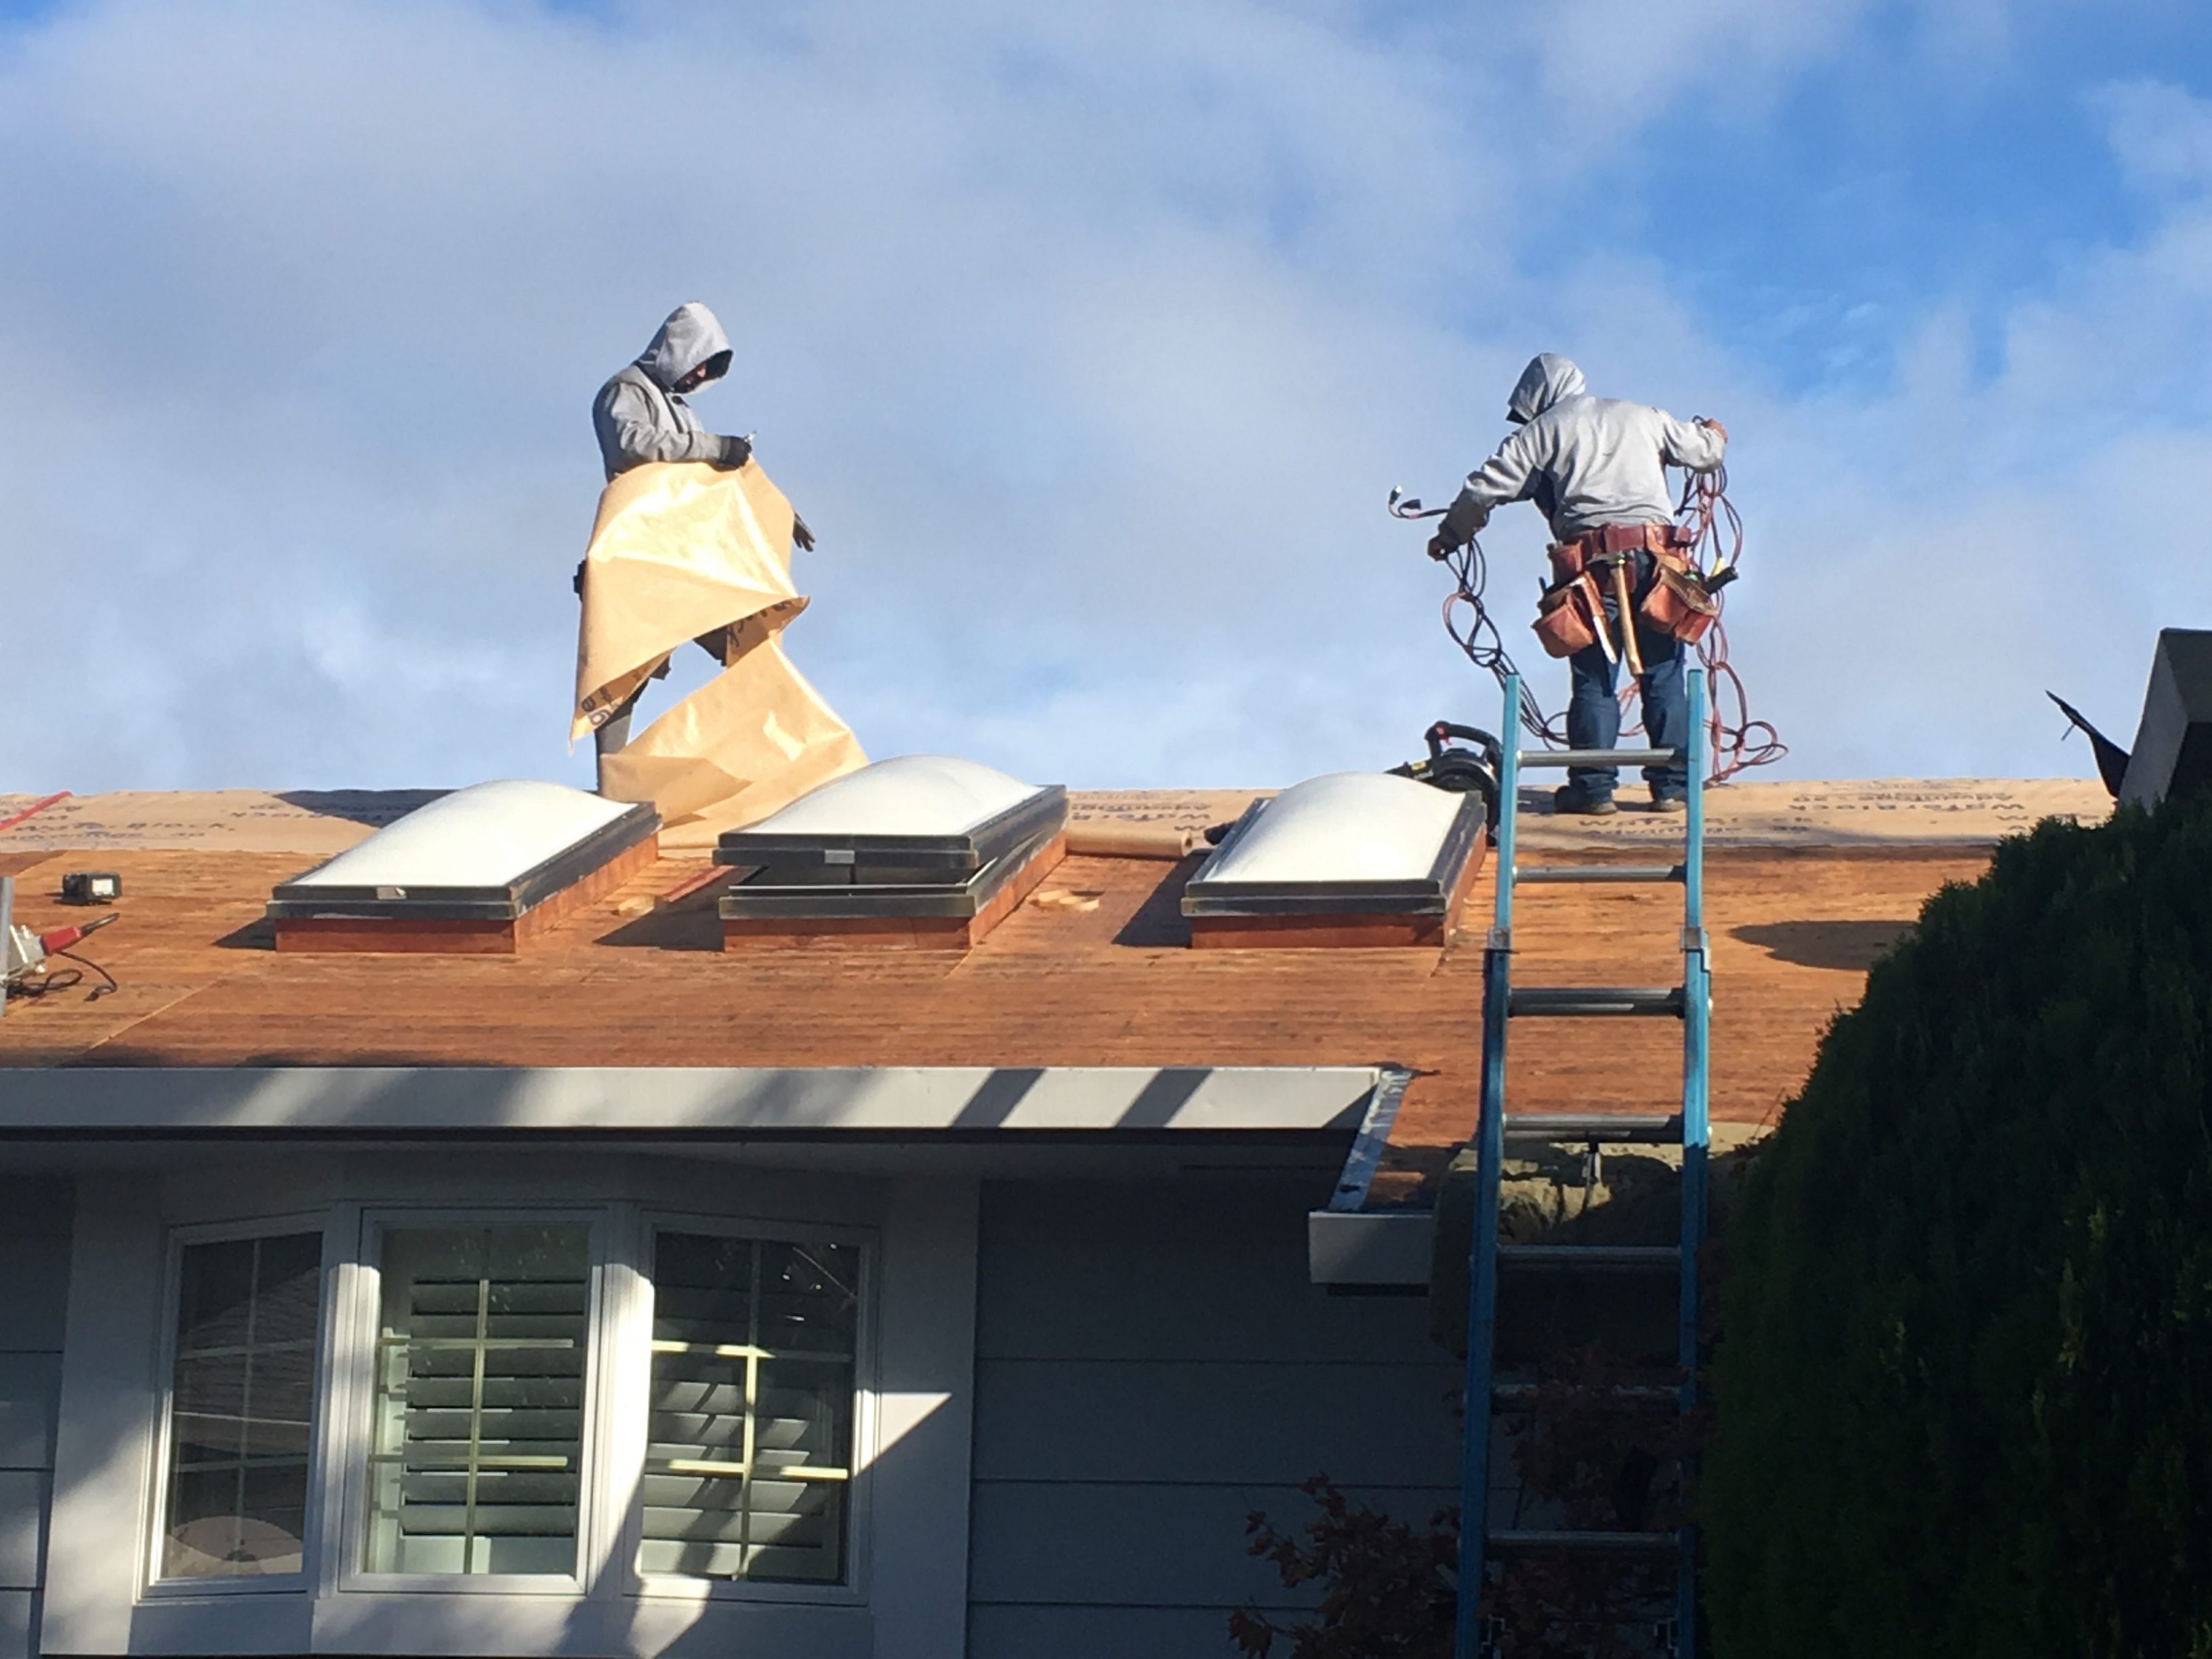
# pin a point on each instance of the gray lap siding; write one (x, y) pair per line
(1152, 1364)
(34, 1246)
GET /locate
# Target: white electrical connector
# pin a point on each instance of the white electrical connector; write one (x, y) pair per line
(26, 951)
(23, 953)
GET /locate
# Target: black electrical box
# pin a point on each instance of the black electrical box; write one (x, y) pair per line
(91, 887)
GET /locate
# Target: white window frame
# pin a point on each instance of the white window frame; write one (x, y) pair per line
(636, 1415)
(152, 1585)
(907, 1588)
(352, 1395)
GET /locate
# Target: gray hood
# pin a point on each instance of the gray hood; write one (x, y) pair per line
(689, 338)
(1548, 379)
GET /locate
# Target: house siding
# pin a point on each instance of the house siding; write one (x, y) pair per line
(1151, 1366)
(34, 1247)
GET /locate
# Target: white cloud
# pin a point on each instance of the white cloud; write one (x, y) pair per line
(1629, 56)
(1089, 337)
(2161, 134)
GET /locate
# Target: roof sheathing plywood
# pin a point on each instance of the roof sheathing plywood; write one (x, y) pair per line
(620, 983)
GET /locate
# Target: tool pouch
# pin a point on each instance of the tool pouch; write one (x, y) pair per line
(1678, 601)
(1567, 617)
(1568, 559)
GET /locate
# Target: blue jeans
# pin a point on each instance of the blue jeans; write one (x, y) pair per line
(1594, 713)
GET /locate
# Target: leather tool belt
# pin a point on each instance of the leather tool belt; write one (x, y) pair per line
(1570, 558)
(1674, 599)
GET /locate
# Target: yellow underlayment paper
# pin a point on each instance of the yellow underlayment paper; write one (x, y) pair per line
(683, 551)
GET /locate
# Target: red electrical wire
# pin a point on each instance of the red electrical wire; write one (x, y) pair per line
(1715, 543)
(1485, 646)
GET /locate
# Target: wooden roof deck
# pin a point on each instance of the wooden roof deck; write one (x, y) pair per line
(1094, 971)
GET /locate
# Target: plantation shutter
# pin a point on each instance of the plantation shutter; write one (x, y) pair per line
(476, 1461)
(749, 1467)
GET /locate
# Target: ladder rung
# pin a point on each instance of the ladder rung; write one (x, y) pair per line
(1595, 1543)
(1561, 999)
(1546, 874)
(1574, 1126)
(1601, 756)
(1591, 1258)
(1507, 1393)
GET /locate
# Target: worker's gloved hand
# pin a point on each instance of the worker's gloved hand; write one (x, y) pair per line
(1704, 420)
(736, 452)
(1456, 529)
(801, 536)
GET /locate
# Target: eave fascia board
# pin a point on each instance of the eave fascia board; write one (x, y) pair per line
(766, 1103)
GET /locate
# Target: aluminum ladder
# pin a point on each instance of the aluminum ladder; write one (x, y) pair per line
(1501, 1003)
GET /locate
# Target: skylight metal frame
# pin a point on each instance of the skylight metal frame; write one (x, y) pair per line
(898, 860)
(1429, 895)
(957, 900)
(301, 900)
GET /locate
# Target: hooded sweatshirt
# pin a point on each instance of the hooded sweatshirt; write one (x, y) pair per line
(1584, 461)
(638, 415)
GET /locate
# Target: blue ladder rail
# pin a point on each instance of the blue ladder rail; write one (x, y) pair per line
(1691, 1003)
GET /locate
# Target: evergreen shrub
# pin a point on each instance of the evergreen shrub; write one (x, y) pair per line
(1963, 1387)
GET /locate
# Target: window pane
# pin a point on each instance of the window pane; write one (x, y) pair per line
(751, 1451)
(241, 1407)
(477, 1449)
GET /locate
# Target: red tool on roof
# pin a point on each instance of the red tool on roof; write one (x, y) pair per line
(28, 952)
(13, 819)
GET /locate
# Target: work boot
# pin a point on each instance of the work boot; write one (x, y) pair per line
(1571, 800)
(1669, 804)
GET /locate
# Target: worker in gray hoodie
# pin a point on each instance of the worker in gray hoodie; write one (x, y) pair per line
(1596, 468)
(639, 416)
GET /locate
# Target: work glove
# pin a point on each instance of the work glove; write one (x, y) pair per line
(736, 452)
(1706, 420)
(801, 536)
(1455, 530)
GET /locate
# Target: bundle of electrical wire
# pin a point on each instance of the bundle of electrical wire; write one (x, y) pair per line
(1716, 544)
(1713, 538)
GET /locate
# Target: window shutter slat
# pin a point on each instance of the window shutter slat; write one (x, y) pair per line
(750, 1435)
(480, 1405)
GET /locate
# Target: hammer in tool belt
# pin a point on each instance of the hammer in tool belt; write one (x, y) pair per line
(1619, 562)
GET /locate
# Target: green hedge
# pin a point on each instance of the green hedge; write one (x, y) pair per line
(1963, 1382)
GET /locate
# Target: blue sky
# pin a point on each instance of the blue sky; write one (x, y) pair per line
(1090, 337)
